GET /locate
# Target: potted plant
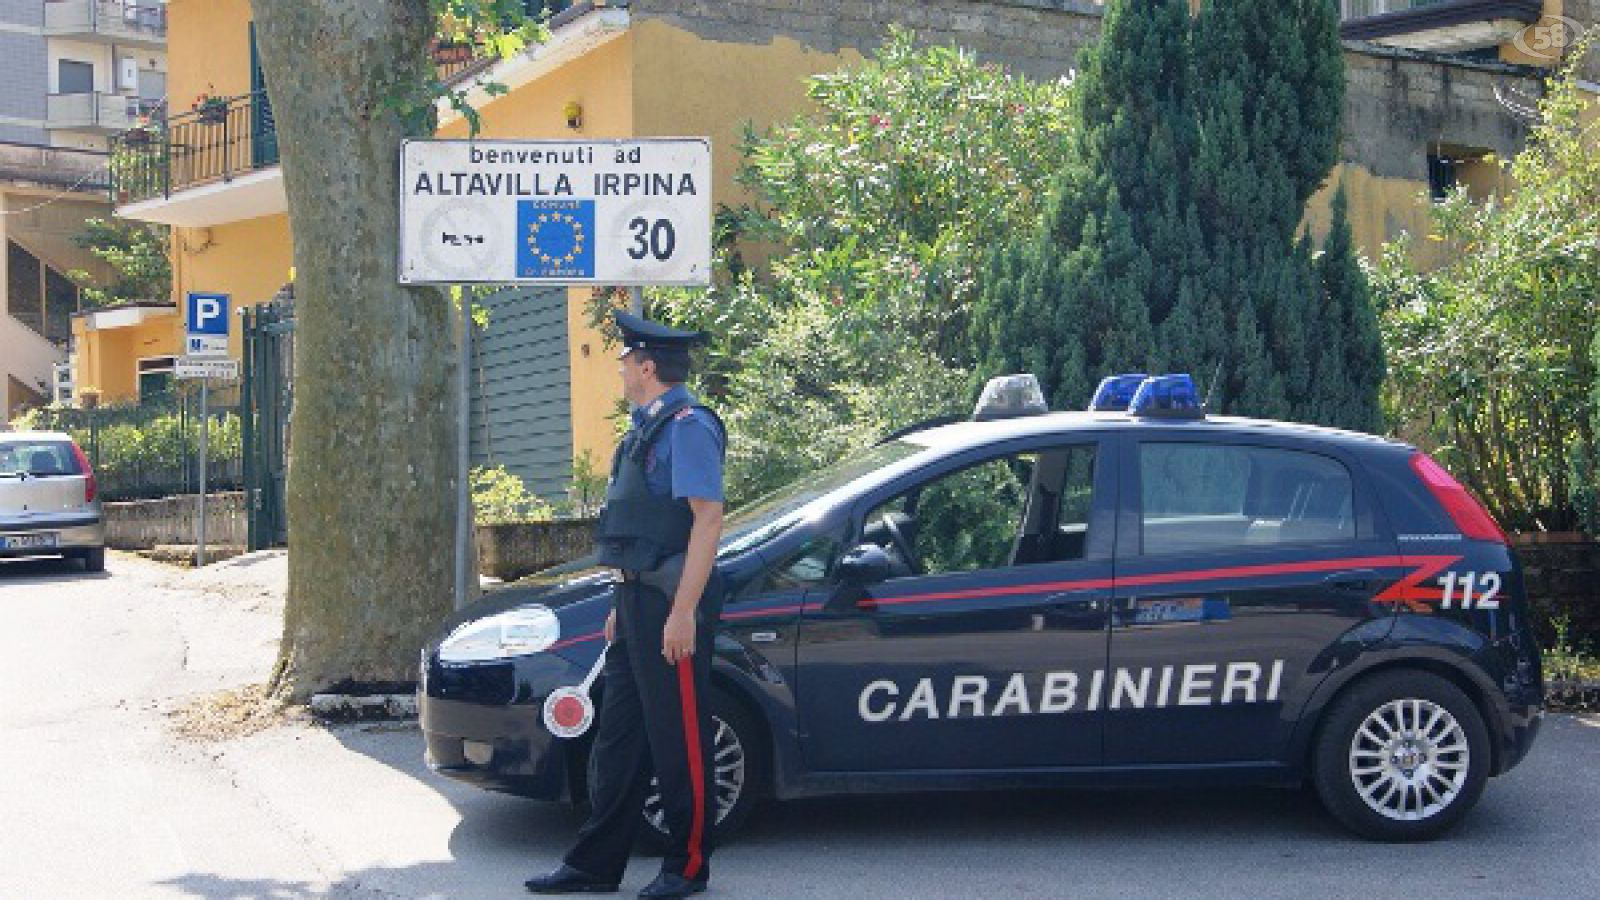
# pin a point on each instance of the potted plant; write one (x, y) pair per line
(210, 109)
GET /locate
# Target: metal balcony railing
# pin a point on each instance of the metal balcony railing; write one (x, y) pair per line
(92, 111)
(143, 22)
(216, 142)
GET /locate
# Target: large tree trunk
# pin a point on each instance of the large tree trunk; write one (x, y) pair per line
(371, 464)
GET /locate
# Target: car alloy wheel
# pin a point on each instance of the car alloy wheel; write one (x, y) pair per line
(1401, 755)
(1409, 759)
(728, 778)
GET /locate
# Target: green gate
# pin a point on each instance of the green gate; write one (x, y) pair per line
(266, 397)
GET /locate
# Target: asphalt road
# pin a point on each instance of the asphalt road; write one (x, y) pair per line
(99, 799)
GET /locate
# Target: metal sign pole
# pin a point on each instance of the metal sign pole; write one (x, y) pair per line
(636, 300)
(200, 529)
(463, 457)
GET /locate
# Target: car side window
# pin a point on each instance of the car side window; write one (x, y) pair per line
(1213, 496)
(807, 566)
(1014, 510)
(963, 521)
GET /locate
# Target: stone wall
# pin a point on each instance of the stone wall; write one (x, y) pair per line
(1563, 578)
(1039, 37)
(1398, 103)
(514, 549)
(143, 524)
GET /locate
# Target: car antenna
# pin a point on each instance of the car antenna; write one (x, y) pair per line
(1212, 393)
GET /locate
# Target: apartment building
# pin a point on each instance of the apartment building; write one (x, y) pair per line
(72, 74)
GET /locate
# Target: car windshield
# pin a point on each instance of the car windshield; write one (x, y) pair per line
(765, 517)
(37, 459)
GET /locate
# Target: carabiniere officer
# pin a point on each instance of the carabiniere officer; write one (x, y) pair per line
(659, 528)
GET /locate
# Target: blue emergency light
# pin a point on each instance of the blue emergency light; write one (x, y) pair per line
(1116, 392)
(1167, 396)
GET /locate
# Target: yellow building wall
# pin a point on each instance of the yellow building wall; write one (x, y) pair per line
(247, 260)
(688, 86)
(602, 83)
(108, 361)
(1381, 210)
(208, 50)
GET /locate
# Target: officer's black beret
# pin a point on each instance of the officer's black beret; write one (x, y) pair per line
(639, 333)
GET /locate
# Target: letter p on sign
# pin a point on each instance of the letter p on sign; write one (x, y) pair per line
(208, 314)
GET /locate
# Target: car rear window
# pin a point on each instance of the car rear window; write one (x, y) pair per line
(39, 459)
(1211, 496)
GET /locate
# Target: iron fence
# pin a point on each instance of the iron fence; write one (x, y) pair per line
(267, 400)
(153, 449)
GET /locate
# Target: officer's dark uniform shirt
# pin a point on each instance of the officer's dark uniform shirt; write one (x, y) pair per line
(685, 462)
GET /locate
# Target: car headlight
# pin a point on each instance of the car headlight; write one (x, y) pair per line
(516, 632)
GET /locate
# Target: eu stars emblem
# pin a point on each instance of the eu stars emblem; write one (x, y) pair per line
(555, 238)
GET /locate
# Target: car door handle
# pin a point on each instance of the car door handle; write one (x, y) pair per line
(1091, 601)
(1355, 581)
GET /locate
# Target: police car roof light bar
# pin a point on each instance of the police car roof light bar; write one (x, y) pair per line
(1010, 396)
(1116, 392)
(1167, 396)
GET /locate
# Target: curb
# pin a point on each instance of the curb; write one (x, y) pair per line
(363, 708)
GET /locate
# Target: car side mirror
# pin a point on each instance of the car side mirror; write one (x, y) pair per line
(866, 564)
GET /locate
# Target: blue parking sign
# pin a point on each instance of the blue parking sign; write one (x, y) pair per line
(208, 314)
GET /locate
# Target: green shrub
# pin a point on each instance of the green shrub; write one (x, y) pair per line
(881, 205)
(499, 497)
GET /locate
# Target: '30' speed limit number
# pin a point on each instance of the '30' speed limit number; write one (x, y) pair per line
(556, 212)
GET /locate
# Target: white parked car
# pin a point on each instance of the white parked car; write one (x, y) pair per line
(49, 505)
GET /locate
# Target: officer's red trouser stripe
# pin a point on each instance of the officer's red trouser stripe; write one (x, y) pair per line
(697, 772)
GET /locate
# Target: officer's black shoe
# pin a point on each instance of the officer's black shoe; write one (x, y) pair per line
(567, 880)
(668, 886)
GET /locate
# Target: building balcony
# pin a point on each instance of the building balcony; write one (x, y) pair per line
(103, 113)
(1444, 26)
(212, 165)
(124, 22)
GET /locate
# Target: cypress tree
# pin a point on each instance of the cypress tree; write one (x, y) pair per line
(1269, 91)
(1349, 366)
(1230, 119)
(1075, 299)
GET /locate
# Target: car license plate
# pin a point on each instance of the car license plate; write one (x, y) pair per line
(27, 541)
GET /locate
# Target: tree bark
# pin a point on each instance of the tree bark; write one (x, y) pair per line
(371, 462)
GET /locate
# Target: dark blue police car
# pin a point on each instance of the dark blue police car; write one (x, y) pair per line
(1139, 593)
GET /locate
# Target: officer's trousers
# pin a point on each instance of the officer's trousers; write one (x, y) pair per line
(653, 719)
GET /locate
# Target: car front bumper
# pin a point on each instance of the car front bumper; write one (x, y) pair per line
(483, 725)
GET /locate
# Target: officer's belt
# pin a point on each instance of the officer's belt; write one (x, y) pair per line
(663, 578)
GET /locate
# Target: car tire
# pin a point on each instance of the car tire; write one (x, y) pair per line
(94, 560)
(742, 775)
(1401, 756)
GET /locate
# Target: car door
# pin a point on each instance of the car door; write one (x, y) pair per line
(1247, 572)
(977, 651)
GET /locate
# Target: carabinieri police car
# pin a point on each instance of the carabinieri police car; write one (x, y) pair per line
(1138, 593)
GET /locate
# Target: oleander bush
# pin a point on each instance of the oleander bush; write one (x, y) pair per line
(1495, 355)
